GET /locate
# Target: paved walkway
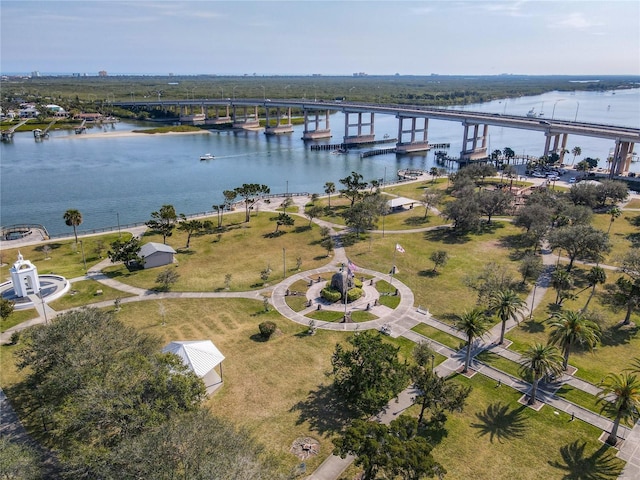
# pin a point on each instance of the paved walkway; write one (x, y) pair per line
(396, 322)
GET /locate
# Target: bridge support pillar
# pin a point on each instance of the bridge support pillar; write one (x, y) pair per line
(316, 131)
(474, 143)
(359, 137)
(246, 121)
(217, 119)
(559, 144)
(279, 127)
(621, 158)
(417, 141)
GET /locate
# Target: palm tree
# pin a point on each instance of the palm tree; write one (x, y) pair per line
(507, 305)
(615, 212)
(624, 393)
(540, 361)
(434, 173)
(595, 276)
(73, 218)
(576, 152)
(474, 325)
(570, 328)
(329, 188)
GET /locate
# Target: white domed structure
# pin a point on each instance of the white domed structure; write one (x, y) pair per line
(24, 277)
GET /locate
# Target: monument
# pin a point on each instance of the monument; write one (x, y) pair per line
(24, 277)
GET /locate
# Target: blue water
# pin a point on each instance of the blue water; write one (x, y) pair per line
(126, 178)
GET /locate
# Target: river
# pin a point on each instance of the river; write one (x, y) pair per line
(122, 179)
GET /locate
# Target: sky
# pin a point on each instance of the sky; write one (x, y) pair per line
(304, 37)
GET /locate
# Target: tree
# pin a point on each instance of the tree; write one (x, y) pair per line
(93, 382)
(283, 219)
(166, 278)
(582, 242)
(328, 244)
(571, 328)
(614, 212)
(620, 396)
(364, 215)
(464, 212)
(492, 278)
(286, 203)
(368, 442)
(536, 219)
(439, 259)
(613, 190)
(6, 308)
(163, 221)
(595, 276)
(540, 361)
(196, 444)
(73, 218)
(314, 211)
(577, 151)
(353, 187)
(329, 188)
(436, 394)
(422, 353)
(584, 194)
(473, 324)
(493, 202)
(506, 304)
(190, 227)
(627, 294)
(125, 251)
(530, 267)
(369, 373)
(434, 173)
(18, 460)
(229, 197)
(251, 193)
(562, 282)
(508, 154)
(431, 198)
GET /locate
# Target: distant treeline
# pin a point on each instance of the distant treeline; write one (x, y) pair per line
(98, 93)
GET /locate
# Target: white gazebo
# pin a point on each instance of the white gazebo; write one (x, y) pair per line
(24, 277)
(202, 357)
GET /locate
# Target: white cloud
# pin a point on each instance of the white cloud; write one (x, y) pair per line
(576, 21)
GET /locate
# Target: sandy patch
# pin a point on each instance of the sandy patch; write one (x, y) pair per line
(132, 134)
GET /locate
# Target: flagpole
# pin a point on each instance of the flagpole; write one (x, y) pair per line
(393, 264)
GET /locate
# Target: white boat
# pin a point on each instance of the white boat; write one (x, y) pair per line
(532, 113)
(207, 156)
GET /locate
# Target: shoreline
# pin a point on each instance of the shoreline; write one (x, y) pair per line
(130, 134)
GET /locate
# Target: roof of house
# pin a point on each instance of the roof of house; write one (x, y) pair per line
(154, 247)
(199, 355)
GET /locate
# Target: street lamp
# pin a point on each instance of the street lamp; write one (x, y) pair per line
(84, 260)
(234, 91)
(44, 307)
(553, 112)
(533, 300)
(315, 96)
(264, 93)
(221, 93)
(576, 117)
(284, 92)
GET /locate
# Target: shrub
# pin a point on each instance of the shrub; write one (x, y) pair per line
(331, 294)
(267, 329)
(354, 294)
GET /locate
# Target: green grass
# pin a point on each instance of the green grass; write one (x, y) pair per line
(439, 336)
(17, 317)
(581, 398)
(501, 363)
(85, 292)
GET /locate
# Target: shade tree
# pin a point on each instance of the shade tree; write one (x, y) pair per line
(354, 187)
(250, 194)
(163, 221)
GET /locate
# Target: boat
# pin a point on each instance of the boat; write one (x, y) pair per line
(531, 113)
(207, 156)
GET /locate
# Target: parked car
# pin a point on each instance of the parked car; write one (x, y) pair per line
(572, 180)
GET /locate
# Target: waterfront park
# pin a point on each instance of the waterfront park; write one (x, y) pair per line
(230, 279)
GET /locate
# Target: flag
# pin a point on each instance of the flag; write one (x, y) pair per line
(351, 266)
(399, 248)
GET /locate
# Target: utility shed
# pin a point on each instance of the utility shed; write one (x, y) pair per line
(202, 357)
(156, 254)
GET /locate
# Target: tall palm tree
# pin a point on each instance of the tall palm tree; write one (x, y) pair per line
(329, 188)
(73, 218)
(474, 325)
(576, 152)
(506, 304)
(540, 361)
(595, 276)
(623, 402)
(614, 212)
(570, 328)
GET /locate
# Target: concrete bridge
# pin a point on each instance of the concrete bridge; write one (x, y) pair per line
(413, 123)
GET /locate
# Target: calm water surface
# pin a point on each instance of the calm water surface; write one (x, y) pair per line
(129, 177)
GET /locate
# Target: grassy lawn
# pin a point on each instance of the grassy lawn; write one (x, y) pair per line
(243, 251)
(467, 255)
(633, 203)
(581, 398)
(617, 349)
(439, 336)
(64, 257)
(501, 363)
(497, 438)
(624, 234)
(17, 317)
(85, 292)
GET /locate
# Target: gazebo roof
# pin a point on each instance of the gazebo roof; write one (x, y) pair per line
(400, 202)
(201, 356)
